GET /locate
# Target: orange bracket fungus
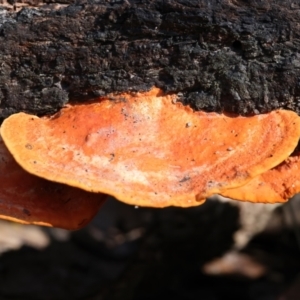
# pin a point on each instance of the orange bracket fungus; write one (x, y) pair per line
(28, 199)
(147, 149)
(274, 186)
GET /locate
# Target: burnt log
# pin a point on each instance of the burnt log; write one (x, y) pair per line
(231, 55)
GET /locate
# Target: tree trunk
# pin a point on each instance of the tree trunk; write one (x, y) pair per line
(218, 55)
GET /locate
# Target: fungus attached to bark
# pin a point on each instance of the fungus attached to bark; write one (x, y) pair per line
(138, 148)
(28, 199)
(274, 186)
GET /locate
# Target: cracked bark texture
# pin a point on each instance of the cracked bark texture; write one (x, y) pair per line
(218, 55)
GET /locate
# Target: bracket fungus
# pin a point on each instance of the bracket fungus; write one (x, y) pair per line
(147, 149)
(28, 199)
(274, 186)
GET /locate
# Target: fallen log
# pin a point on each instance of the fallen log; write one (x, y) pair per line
(231, 55)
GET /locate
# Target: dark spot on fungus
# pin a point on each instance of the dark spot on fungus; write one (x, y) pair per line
(184, 179)
(112, 156)
(26, 212)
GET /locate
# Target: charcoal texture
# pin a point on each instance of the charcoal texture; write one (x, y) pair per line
(232, 55)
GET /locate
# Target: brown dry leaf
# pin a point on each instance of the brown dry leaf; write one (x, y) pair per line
(28, 199)
(146, 149)
(274, 186)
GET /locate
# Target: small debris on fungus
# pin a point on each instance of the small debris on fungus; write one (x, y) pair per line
(274, 186)
(152, 149)
(28, 199)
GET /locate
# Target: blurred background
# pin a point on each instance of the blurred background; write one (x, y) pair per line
(222, 249)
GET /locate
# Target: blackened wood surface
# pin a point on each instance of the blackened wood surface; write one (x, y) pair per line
(232, 55)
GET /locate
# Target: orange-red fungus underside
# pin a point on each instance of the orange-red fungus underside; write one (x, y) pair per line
(28, 199)
(147, 149)
(276, 185)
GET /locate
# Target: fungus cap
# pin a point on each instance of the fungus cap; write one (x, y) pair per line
(147, 149)
(28, 199)
(274, 186)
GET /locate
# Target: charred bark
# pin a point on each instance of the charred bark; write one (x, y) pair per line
(231, 55)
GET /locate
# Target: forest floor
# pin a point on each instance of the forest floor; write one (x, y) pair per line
(143, 254)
